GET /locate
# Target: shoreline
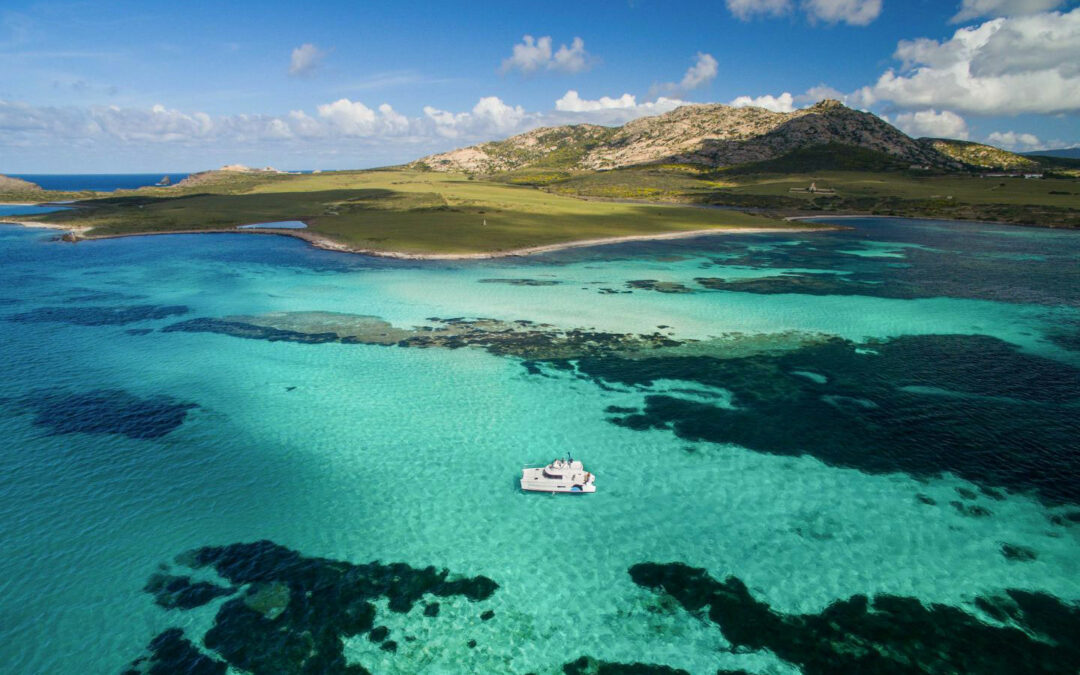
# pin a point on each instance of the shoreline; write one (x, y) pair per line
(1000, 223)
(322, 242)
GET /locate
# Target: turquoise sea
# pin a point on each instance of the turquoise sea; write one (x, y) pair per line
(851, 451)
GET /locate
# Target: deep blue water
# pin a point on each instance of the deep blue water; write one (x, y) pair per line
(840, 452)
(103, 182)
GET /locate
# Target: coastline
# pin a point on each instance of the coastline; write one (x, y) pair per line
(325, 243)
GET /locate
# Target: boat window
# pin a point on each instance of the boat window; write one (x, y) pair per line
(552, 475)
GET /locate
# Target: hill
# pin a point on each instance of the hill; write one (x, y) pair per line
(1064, 153)
(712, 135)
(979, 155)
(17, 185)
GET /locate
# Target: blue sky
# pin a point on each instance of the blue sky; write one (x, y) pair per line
(143, 86)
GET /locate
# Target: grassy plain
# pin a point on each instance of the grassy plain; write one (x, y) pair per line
(393, 210)
(877, 190)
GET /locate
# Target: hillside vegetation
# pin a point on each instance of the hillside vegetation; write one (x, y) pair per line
(713, 135)
(982, 156)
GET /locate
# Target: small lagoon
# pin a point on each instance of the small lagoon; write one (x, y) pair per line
(28, 209)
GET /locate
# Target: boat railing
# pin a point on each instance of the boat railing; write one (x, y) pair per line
(534, 466)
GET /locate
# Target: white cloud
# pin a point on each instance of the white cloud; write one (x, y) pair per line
(820, 93)
(934, 124)
(535, 54)
(396, 123)
(304, 126)
(489, 117)
(352, 118)
(572, 102)
(572, 109)
(748, 9)
(977, 9)
(703, 71)
(1010, 140)
(1025, 64)
(572, 59)
(529, 56)
(783, 103)
(851, 12)
(305, 59)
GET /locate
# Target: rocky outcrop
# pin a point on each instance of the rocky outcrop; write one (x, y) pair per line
(706, 134)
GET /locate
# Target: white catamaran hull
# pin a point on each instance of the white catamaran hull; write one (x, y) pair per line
(548, 479)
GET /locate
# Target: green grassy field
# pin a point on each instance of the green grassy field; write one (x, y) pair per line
(394, 210)
(881, 190)
(969, 189)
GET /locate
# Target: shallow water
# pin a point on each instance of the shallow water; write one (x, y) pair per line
(775, 439)
(26, 209)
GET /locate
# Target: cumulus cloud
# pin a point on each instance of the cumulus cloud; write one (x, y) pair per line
(1024, 64)
(305, 59)
(533, 55)
(572, 102)
(934, 124)
(1010, 140)
(571, 109)
(978, 9)
(353, 118)
(783, 103)
(489, 117)
(851, 12)
(748, 9)
(702, 72)
(572, 59)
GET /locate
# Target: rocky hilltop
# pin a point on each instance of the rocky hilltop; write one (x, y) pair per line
(9, 184)
(706, 134)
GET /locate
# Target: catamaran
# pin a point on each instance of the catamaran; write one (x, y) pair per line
(562, 475)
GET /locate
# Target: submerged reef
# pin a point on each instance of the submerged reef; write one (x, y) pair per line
(812, 284)
(587, 665)
(104, 411)
(80, 294)
(883, 633)
(290, 613)
(171, 654)
(969, 404)
(508, 338)
(659, 286)
(182, 593)
(916, 261)
(99, 315)
(522, 282)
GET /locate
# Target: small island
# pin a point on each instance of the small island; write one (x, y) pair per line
(700, 169)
